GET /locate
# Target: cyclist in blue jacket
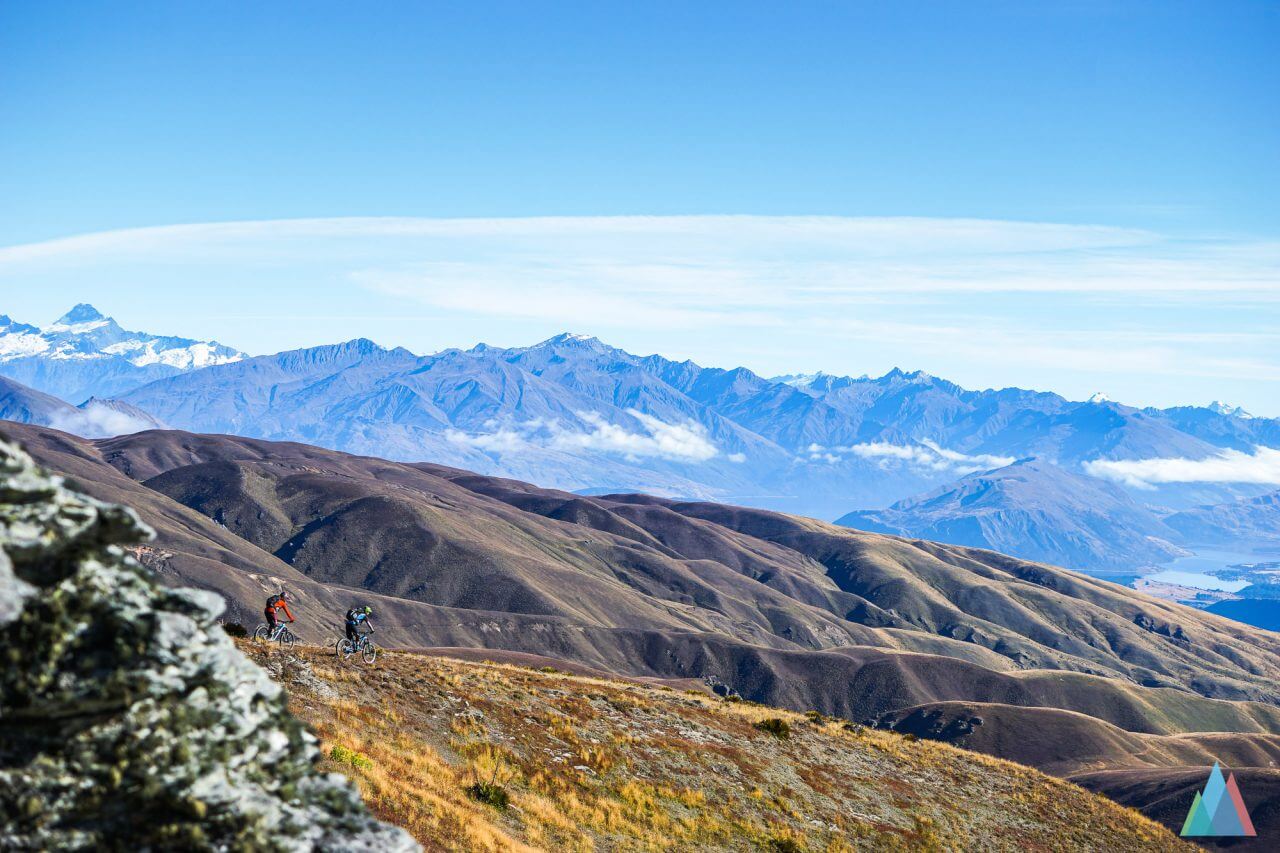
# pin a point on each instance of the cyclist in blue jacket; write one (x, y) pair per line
(357, 616)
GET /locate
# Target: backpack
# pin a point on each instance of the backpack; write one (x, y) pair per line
(274, 601)
(351, 615)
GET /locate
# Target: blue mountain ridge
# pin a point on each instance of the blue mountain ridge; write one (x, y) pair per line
(573, 412)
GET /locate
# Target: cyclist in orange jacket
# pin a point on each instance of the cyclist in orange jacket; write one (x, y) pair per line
(275, 603)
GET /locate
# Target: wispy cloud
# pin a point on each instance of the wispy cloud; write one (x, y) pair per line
(1130, 309)
(652, 236)
(707, 256)
(680, 442)
(1231, 466)
(686, 441)
(926, 456)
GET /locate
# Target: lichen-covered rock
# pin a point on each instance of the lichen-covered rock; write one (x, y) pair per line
(128, 720)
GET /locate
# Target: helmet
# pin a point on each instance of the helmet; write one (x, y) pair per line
(367, 609)
(287, 596)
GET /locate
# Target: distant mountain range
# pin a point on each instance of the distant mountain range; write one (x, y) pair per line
(1248, 519)
(575, 413)
(1037, 511)
(83, 354)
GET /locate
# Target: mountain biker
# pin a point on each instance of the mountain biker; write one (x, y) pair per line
(355, 617)
(280, 601)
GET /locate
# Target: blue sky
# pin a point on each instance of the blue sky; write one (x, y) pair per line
(1073, 196)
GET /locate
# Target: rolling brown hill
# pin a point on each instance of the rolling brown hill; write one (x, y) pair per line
(1160, 774)
(789, 611)
(663, 582)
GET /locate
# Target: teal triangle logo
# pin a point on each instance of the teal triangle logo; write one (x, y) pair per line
(1218, 811)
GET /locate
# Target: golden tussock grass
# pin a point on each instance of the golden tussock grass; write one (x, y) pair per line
(590, 764)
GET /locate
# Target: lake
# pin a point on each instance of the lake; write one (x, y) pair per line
(1197, 571)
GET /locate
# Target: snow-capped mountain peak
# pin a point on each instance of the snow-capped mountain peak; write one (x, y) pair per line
(569, 345)
(19, 339)
(1098, 397)
(83, 314)
(572, 339)
(801, 380)
(1220, 408)
(89, 348)
(85, 332)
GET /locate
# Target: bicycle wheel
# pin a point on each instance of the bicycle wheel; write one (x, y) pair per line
(262, 633)
(346, 649)
(287, 638)
(369, 652)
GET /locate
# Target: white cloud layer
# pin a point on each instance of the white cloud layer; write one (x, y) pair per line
(679, 442)
(926, 456)
(1261, 467)
(95, 421)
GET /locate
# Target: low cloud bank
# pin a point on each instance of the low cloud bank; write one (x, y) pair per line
(926, 455)
(1230, 466)
(656, 439)
(99, 421)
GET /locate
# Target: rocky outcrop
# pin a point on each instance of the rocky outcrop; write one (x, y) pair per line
(949, 725)
(128, 720)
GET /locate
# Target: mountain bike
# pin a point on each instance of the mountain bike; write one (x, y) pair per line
(346, 649)
(281, 635)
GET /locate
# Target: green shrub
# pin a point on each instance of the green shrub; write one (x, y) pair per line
(910, 737)
(342, 755)
(234, 629)
(775, 726)
(784, 845)
(489, 794)
(813, 716)
(548, 669)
